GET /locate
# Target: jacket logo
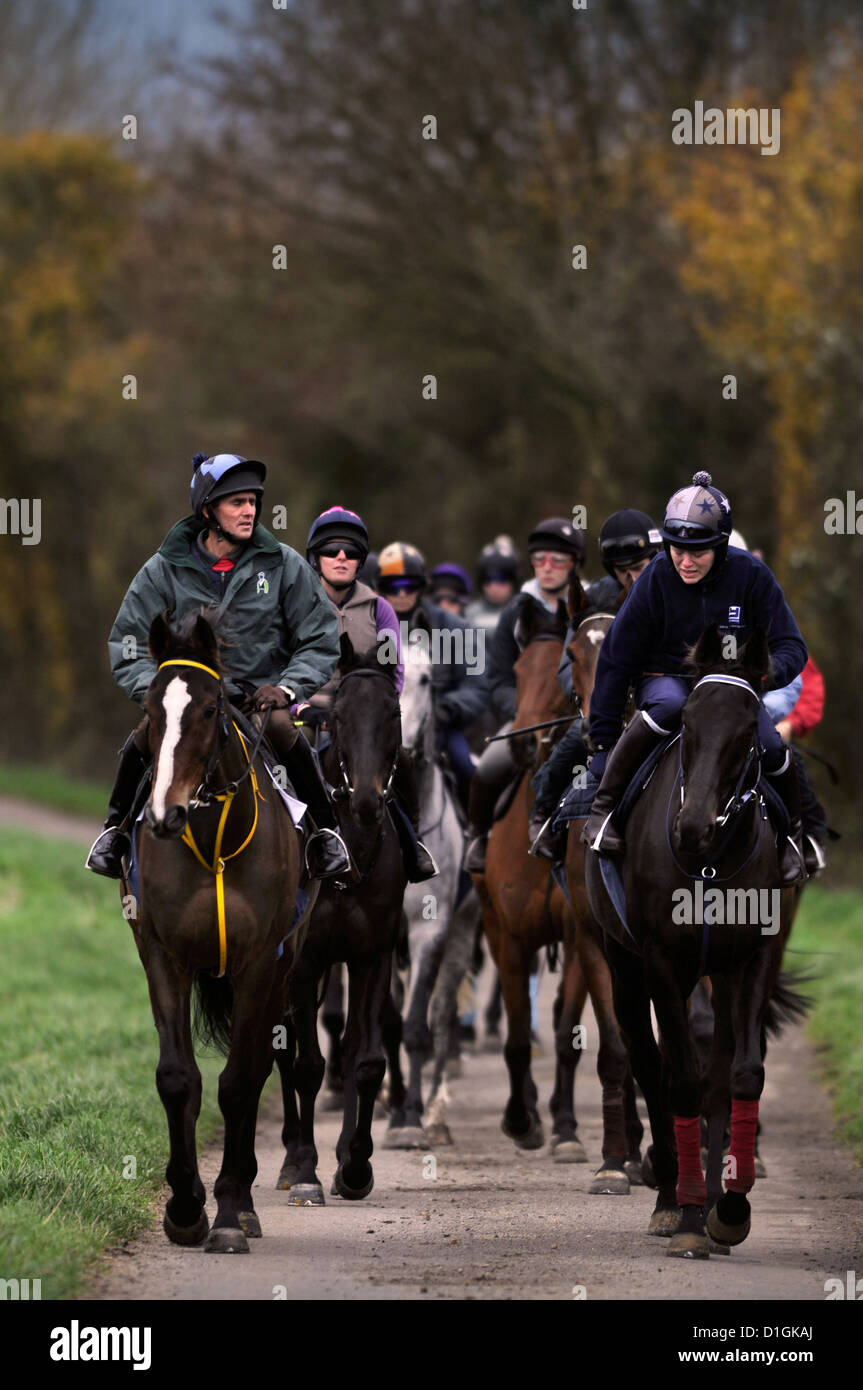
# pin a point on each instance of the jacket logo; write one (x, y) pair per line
(734, 613)
(264, 583)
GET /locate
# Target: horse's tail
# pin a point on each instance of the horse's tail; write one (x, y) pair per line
(788, 1004)
(213, 1003)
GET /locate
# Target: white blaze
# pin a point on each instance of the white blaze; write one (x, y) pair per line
(175, 700)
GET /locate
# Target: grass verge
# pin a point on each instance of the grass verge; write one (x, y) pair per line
(53, 789)
(79, 1112)
(827, 939)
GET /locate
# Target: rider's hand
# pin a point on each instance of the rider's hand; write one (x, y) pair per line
(784, 730)
(270, 697)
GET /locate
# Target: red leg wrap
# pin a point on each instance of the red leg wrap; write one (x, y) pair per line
(741, 1157)
(691, 1191)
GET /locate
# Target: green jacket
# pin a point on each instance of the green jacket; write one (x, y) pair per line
(279, 625)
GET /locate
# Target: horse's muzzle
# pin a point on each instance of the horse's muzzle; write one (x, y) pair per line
(173, 825)
(693, 833)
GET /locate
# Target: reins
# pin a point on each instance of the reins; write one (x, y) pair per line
(226, 796)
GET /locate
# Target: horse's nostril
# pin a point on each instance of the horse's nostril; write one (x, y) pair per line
(175, 820)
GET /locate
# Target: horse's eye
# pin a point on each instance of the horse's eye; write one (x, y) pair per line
(210, 711)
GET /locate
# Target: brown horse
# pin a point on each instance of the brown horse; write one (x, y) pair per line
(219, 866)
(523, 910)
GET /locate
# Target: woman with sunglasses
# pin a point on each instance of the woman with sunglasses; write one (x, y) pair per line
(337, 546)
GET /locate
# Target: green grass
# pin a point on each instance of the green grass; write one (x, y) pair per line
(53, 789)
(828, 935)
(78, 1052)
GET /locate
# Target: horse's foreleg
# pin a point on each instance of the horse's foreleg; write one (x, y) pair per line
(308, 1075)
(257, 1012)
(678, 1052)
(333, 1019)
(443, 1012)
(291, 1126)
(178, 1082)
(749, 992)
(392, 1033)
(613, 1068)
(568, 1036)
(369, 982)
(632, 1010)
(521, 1120)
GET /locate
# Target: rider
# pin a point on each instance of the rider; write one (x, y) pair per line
(497, 574)
(284, 639)
(698, 581)
(628, 541)
(337, 545)
(459, 697)
(556, 550)
(449, 588)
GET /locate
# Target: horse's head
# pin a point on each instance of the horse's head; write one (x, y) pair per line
(366, 730)
(719, 751)
(184, 704)
(539, 695)
(417, 705)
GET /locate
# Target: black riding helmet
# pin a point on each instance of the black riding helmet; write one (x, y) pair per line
(556, 533)
(626, 537)
(220, 476)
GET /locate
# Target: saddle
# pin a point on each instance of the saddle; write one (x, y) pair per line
(577, 801)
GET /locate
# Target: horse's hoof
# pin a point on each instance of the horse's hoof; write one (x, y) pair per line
(288, 1176)
(352, 1194)
(226, 1240)
(438, 1134)
(249, 1224)
(610, 1182)
(687, 1245)
(408, 1137)
(568, 1151)
(533, 1137)
(632, 1169)
(330, 1101)
(306, 1194)
(648, 1177)
(186, 1235)
(760, 1170)
(664, 1223)
(719, 1249)
(723, 1232)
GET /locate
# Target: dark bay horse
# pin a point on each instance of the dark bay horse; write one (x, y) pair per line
(213, 911)
(700, 897)
(357, 924)
(523, 910)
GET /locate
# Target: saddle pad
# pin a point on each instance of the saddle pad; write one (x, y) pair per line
(575, 804)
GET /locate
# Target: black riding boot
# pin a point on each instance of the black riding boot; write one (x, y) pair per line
(627, 755)
(791, 865)
(112, 843)
(326, 853)
(419, 864)
(494, 770)
(814, 819)
(549, 783)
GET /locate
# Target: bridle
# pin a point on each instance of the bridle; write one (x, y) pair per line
(741, 797)
(205, 792)
(347, 790)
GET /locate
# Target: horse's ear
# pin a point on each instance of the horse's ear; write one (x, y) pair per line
(160, 637)
(754, 656)
(205, 638)
(530, 616)
(708, 649)
(346, 647)
(576, 600)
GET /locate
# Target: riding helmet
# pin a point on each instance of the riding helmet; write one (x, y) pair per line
(558, 534)
(221, 475)
(336, 524)
(626, 537)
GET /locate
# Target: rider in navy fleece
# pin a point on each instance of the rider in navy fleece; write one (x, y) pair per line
(681, 593)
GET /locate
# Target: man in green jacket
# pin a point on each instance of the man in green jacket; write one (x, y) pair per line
(282, 639)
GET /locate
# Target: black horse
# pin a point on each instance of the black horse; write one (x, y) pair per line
(357, 924)
(700, 897)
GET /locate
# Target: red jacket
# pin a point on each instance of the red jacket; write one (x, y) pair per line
(810, 706)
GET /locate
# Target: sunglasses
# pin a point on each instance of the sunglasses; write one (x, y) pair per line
(332, 552)
(400, 586)
(541, 557)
